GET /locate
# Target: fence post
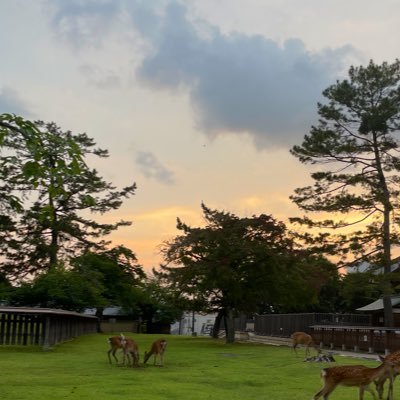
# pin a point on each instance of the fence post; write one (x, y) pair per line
(46, 336)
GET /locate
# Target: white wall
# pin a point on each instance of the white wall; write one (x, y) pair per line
(202, 324)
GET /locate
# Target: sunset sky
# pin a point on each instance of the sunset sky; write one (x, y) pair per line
(196, 100)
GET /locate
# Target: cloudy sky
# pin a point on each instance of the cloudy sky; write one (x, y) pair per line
(196, 100)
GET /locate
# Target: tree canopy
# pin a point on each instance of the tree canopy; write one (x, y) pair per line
(356, 147)
(47, 191)
(240, 265)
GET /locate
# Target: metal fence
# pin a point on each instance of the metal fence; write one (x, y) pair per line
(42, 326)
(285, 324)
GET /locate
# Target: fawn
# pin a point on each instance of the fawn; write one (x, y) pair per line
(129, 347)
(304, 339)
(157, 349)
(115, 342)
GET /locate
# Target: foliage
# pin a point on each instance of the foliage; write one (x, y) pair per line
(195, 368)
(50, 188)
(359, 289)
(237, 265)
(159, 303)
(95, 280)
(11, 203)
(56, 288)
(117, 275)
(356, 147)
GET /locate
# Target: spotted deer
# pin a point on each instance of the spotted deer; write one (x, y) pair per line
(116, 343)
(394, 358)
(128, 346)
(157, 349)
(131, 351)
(303, 338)
(353, 375)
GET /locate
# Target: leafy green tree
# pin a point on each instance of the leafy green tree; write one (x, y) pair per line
(160, 304)
(56, 190)
(359, 289)
(16, 128)
(237, 265)
(57, 288)
(110, 278)
(117, 275)
(356, 147)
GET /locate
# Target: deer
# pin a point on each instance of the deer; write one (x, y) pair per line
(157, 349)
(394, 358)
(131, 351)
(354, 375)
(128, 346)
(116, 343)
(304, 339)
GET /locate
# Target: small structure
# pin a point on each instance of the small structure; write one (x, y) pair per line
(194, 324)
(42, 326)
(114, 319)
(376, 310)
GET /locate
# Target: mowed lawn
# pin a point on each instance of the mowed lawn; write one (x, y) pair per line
(195, 368)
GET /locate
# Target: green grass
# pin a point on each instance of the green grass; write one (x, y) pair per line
(195, 369)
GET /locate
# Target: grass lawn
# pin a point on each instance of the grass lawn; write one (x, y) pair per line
(195, 368)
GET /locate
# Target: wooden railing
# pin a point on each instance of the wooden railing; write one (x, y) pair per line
(42, 326)
(357, 338)
(285, 324)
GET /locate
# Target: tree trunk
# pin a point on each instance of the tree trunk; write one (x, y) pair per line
(217, 323)
(386, 239)
(387, 286)
(229, 326)
(99, 315)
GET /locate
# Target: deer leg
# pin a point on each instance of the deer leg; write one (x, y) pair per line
(126, 355)
(390, 389)
(112, 351)
(325, 391)
(364, 388)
(379, 386)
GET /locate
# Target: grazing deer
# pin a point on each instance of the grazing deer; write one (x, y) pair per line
(393, 358)
(128, 346)
(353, 375)
(157, 349)
(131, 350)
(304, 339)
(115, 342)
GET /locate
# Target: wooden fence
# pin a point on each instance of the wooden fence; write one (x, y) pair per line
(285, 324)
(355, 338)
(42, 326)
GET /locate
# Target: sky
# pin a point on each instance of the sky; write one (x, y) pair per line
(196, 101)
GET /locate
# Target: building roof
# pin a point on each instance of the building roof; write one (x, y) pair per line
(378, 304)
(108, 312)
(38, 310)
(365, 266)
